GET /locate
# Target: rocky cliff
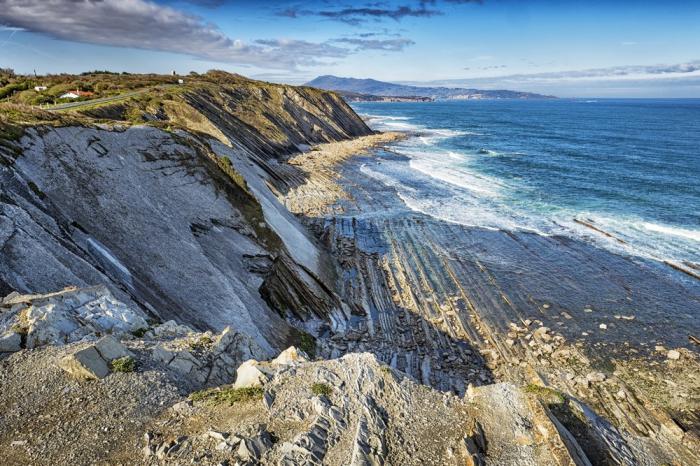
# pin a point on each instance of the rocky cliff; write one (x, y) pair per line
(158, 251)
(145, 196)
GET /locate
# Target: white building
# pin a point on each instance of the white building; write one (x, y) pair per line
(70, 95)
(40, 88)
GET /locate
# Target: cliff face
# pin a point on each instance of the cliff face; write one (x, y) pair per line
(161, 214)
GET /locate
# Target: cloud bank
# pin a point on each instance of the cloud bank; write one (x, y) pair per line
(143, 24)
(378, 11)
(671, 80)
(615, 73)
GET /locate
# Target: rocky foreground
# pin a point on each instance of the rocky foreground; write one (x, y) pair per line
(154, 394)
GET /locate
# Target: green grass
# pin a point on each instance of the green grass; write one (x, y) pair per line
(125, 364)
(307, 344)
(229, 396)
(201, 342)
(139, 332)
(546, 394)
(321, 389)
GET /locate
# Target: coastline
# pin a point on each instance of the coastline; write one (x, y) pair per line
(321, 189)
(453, 305)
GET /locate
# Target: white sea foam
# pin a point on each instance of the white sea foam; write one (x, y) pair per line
(458, 177)
(385, 179)
(638, 237)
(673, 231)
(463, 195)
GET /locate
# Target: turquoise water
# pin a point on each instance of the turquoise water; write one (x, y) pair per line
(629, 168)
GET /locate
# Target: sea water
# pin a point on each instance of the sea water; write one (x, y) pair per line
(624, 174)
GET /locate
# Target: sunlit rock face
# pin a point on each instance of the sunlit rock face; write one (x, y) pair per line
(165, 222)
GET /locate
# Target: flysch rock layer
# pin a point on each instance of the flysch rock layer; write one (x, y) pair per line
(452, 305)
(167, 224)
(442, 347)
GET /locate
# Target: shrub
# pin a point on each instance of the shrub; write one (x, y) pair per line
(307, 344)
(546, 394)
(125, 364)
(321, 389)
(228, 395)
(201, 343)
(139, 332)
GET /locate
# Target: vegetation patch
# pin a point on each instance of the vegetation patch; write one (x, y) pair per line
(321, 389)
(307, 344)
(125, 364)
(226, 166)
(229, 395)
(139, 332)
(201, 343)
(546, 394)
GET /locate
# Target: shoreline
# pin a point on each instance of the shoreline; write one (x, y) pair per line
(549, 310)
(321, 189)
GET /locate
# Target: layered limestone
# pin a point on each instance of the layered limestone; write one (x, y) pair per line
(159, 215)
(67, 316)
(169, 219)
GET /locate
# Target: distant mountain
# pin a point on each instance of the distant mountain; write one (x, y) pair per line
(373, 87)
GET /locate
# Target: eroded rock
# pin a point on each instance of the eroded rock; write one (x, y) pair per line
(249, 374)
(85, 364)
(71, 315)
(290, 356)
(10, 342)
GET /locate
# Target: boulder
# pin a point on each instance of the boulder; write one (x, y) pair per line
(72, 314)
(85, 364)
(542, 334)
(595, 377)
(249, 374)
(290, 356)
(673, 355)
(252, 449)
(110, 348)
(10, 342)
(171, 329)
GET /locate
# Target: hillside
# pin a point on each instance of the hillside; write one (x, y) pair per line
(174, 226)
(380, 88)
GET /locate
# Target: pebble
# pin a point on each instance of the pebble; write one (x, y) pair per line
(603, 326)
(216, 435)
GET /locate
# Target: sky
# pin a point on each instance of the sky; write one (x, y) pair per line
(574, 48)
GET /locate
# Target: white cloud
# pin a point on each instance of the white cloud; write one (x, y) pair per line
(143, 24)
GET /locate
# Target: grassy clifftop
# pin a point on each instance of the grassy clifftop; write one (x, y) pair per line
(269, 119)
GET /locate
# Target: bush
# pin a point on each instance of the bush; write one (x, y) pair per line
(321, 389)
(12, 88)
(548, 395)
(228, 395)
(201, 343)
(307, 344)
(139, 332)
(125, 364)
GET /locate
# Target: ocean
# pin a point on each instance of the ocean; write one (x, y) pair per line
(624, 174)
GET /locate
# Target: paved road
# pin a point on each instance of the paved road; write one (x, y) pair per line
(85, 103)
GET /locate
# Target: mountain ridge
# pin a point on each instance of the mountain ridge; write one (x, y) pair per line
(375, 87)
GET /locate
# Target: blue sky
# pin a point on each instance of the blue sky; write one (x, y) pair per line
(566, 48)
